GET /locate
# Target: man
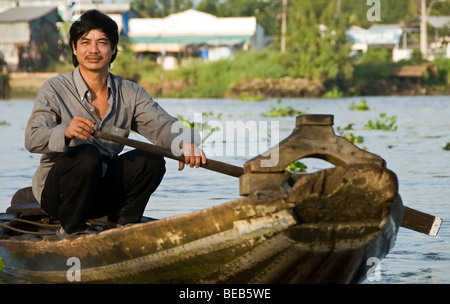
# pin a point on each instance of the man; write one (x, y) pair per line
(82, 177)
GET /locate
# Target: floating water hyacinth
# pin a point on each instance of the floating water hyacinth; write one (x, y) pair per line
(362, 106)
(281, 111)
(385, 123)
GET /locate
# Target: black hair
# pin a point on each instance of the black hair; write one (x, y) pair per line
(93, 20)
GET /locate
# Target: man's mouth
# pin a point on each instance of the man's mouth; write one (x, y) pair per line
(93, 59)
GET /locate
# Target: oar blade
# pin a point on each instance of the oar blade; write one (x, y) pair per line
(421, 222)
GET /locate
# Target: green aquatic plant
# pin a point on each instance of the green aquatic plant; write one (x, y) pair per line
(205, 127)
(280, 111)
(2, 264)
(345, 132)
(296, 167)
(447, 147)
(362, 106)
(248, 97)
(4, 123)
(384, 123)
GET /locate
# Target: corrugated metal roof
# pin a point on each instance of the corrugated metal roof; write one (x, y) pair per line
(19, 14)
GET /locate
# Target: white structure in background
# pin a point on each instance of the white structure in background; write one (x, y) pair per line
(28, 34)
(196, 32)
(381, 36)
(438, 48)
(70, 10)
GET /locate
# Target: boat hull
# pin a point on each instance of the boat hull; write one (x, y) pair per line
(310, 234)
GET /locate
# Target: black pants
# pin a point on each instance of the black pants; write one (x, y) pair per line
(76, 190)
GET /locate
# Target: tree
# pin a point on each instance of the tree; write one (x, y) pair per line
(208, 6)
(160, 8)
(317, 45)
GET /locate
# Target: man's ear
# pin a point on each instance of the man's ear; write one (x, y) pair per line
(74, 49)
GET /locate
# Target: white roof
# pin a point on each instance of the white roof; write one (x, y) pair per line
(439, 22)
(191, 23)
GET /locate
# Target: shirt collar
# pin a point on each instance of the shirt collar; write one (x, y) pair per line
(82, 87)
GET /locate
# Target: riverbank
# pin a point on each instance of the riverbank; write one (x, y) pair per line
(26, 86)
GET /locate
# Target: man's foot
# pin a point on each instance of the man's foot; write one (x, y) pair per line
(111, 225)
(62, 234)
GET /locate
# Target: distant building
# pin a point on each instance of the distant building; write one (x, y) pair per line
(70, 10)
(440, 47)
(398, 38)
(28, 35)
(391, 37)
(194, 33)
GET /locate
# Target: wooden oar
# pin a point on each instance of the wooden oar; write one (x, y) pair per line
(213, 165)
(412, 219)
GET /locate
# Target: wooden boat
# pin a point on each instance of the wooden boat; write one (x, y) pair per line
(321, 227)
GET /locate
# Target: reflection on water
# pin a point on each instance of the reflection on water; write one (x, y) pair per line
(414, 152)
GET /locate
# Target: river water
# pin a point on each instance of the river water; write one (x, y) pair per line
(414, 152)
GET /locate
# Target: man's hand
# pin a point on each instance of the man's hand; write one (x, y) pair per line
(79, 127)
(193, 156)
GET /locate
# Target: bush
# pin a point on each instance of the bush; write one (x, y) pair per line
(215, 78)
(128, 66)
(443, 67)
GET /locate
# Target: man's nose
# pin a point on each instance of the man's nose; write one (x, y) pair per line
(94, 48)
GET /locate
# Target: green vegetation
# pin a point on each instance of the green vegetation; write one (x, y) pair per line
(384, 122)
(248, 97)
(128, 66)
(4, 123)
(296, 167)
(205, 127)
(362, 106)
(345, 132)
(2, 264)
(280, 111)
(215, 78)
(447, 147)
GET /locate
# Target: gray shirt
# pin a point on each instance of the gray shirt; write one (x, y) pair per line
(130, 108)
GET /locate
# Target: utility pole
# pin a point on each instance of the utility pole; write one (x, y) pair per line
(283, 25)
(423, 29)
(338, 8)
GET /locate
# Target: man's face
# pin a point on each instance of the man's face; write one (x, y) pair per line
(94, 52)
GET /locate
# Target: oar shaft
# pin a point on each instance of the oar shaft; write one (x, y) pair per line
(211, 164)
